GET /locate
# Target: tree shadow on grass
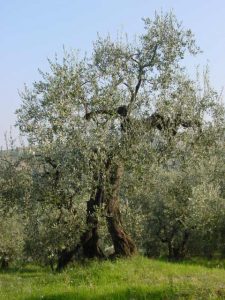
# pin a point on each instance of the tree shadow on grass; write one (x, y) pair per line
(207, 263)
(25, 272)
(24, 268)
(128, 293)
(197, 261)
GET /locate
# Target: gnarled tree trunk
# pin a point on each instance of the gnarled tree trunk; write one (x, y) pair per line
(90, 239)
(123, 244)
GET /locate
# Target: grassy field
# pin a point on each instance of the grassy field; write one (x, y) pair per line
(136, 278)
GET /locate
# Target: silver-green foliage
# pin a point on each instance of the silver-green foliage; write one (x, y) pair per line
(14, 198)
(130, 102)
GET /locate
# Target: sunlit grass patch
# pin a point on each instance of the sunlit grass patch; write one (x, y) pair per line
(136, 278)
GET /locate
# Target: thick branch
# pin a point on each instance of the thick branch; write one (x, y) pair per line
(160, 122)
(121, 110)
(140, 75)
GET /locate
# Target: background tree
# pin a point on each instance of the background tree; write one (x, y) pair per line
(180, 190)
(15, 183)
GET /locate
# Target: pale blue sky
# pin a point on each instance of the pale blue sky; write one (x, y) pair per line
(32, 30)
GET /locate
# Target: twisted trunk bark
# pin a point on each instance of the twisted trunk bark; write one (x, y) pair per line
(90, 239)
(122, 242)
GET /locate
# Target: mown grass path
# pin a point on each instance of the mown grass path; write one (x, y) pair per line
(136, 278)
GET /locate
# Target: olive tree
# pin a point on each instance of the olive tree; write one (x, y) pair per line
(15, 183)
(105, 107)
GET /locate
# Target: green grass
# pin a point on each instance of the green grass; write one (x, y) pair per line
(136, 278)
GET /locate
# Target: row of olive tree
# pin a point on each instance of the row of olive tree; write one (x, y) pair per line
(181, 200)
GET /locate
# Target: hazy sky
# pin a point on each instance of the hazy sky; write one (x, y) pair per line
(32, 30)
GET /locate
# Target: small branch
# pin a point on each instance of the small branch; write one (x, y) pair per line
(129, 87)
(150, 64)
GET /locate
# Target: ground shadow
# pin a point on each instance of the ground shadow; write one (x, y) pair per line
(25, 272)
(218, 263)
(208, 263)
(134, 294)
(17, 271)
